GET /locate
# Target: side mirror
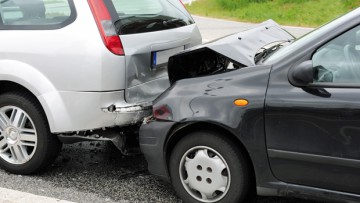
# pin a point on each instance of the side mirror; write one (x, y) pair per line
(302, 74)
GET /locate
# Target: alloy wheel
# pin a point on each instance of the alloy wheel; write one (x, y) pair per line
(18, 136)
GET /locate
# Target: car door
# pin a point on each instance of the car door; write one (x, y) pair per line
(313, 133)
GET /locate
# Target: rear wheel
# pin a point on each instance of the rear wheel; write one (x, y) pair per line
(207, 167)
(26, 143)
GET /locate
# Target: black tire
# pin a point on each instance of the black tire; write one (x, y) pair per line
(239, 186)
(48, 145)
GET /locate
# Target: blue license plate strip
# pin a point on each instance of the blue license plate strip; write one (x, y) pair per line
(160, 58)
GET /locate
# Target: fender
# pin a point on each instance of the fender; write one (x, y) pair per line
(210, 99)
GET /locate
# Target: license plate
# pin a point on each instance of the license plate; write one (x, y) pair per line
(161, 58)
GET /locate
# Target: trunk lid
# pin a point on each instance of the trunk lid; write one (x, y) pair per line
(151, 31)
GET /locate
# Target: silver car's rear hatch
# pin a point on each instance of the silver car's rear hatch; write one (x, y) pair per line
(151, 31)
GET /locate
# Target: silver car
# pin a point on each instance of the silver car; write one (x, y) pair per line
(74, 70)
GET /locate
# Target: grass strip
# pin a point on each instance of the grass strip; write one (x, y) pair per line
(307, 13)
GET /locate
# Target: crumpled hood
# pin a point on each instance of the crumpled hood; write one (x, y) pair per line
(243, 46)
(225, 54)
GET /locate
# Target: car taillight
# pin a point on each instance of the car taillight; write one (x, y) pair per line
(107, 30)
(162, 112)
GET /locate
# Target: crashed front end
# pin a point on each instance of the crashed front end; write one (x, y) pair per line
(204, 83)
(226, 54)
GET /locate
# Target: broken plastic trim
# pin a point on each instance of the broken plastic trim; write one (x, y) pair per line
(148, 119)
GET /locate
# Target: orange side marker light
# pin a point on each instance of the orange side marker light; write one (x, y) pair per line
(241, 102)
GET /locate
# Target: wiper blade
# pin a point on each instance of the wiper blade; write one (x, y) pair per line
(268, 51)
(147, 21)
(119, 22)
(175, 20)
(166, 23)
(147, 17)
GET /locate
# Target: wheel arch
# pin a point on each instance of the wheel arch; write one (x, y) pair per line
(17, 75)
(8, 86)
(25, 75)
(179, 131)
(50, 145)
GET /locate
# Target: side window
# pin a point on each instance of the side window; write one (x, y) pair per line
(338, 61)
(22, 14)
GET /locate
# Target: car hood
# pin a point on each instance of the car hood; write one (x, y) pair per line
(240, 48)
(243, 46)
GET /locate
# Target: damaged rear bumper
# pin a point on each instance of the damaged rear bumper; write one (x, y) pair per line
(81, 111)
(129, 115)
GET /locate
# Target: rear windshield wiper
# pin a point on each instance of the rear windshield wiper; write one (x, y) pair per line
(175, 20)
(149, 22)
(119, 22)
(168, 22)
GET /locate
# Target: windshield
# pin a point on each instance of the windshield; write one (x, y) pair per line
(308, 38)
(139, 16)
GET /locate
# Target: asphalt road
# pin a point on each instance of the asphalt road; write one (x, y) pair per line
(97, 172)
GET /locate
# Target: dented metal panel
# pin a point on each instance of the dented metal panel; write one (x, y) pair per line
(226, 54)
(242, 47)
(144, 83)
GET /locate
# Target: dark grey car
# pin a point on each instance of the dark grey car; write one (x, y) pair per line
(260, 110)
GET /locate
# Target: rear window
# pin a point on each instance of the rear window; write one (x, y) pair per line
(139, 16)
(35, 14)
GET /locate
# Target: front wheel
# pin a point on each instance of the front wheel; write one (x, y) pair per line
(26, 144)
(207, 167)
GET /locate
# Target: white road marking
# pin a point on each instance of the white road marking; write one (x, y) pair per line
(13, 196)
